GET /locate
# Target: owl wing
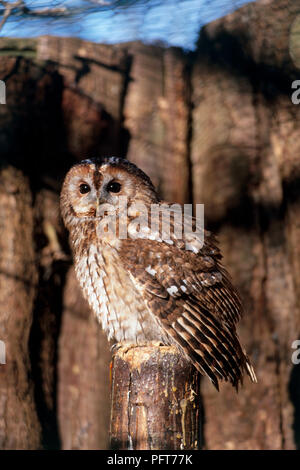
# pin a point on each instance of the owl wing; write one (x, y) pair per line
(191, 297)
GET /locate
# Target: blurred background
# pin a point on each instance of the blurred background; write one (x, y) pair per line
(199, 94)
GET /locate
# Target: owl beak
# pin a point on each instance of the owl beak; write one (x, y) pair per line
(102, 207)
(97, 207)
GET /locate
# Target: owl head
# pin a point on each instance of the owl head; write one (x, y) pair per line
(95, 182)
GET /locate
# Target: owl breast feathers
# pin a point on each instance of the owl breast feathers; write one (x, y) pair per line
(144, 286)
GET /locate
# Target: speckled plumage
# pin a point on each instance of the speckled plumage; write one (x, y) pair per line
(144, 288)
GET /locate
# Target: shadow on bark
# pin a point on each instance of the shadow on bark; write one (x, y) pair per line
(232, 53)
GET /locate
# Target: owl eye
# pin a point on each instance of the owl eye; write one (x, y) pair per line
(113, 187)
(84, 188)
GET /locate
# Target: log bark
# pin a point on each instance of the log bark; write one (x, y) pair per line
(53, 264)
(19, 425)
(155, 400)
(95, 80)
(157, 115)
(83, 375)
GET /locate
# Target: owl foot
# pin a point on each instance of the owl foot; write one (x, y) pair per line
(126, 346)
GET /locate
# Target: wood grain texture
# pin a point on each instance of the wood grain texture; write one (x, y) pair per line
(19, 426)
(83, 372)
(157, 117)
(155, 400)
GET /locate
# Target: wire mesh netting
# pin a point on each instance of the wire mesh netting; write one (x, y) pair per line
(171, 22)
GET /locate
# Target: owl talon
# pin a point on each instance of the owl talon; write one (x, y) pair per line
(127, 346)
(114, 348)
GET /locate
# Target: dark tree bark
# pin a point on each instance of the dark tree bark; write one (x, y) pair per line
(157, 115)
(83, 385)
(155, 400)
(95, 80)
(19, 426)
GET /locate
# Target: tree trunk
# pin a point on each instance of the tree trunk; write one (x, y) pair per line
(157, 115)
(19, 426)
(83, 376)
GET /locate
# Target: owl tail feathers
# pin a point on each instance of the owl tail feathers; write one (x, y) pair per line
(208, 373)
(215, 383)
(237, 380)
(250, 370)
(233, 375)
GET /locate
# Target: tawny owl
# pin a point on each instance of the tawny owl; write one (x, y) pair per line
(144, 286)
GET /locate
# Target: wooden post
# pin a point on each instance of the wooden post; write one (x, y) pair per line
(155, 400)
